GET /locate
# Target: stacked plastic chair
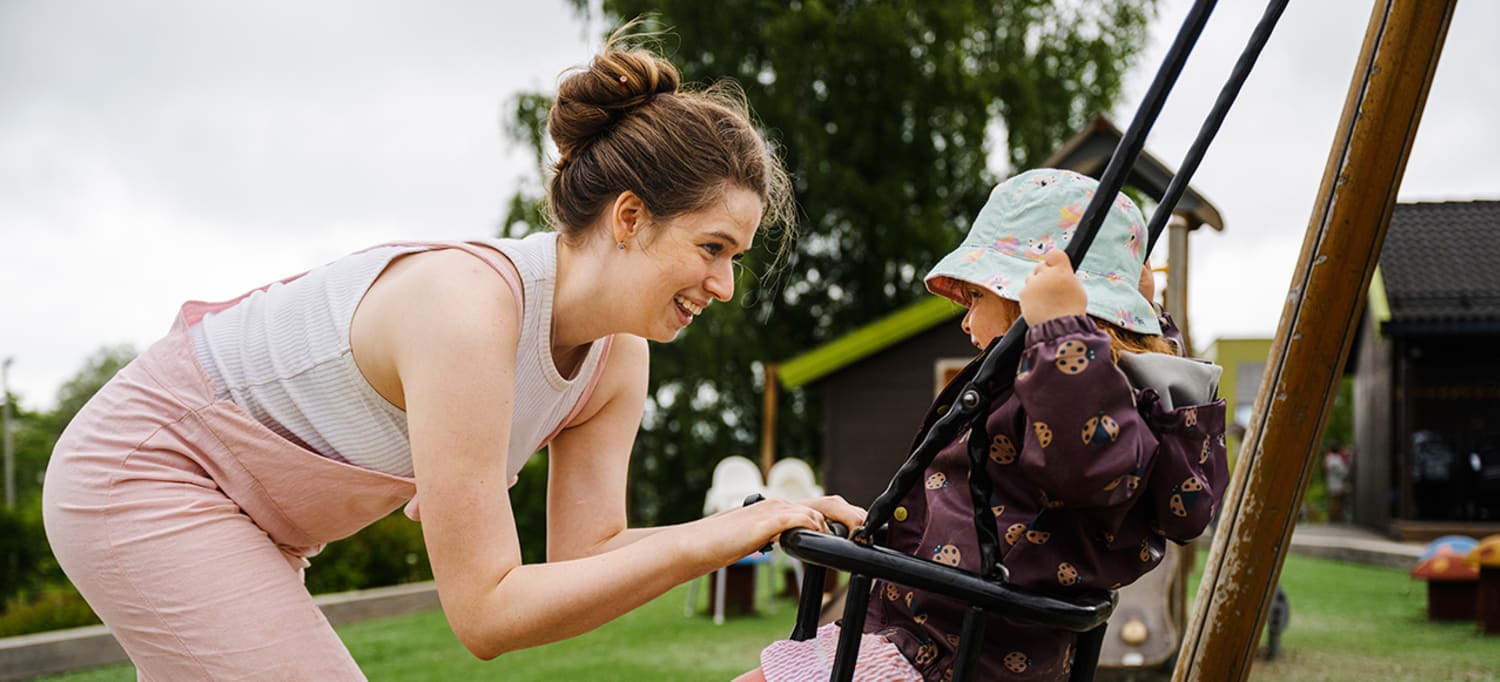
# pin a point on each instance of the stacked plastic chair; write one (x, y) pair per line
(735, 479)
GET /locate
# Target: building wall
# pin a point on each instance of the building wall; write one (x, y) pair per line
(1244, 363)
(872, 410)
(1376, 470)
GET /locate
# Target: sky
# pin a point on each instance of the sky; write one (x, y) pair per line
(158, 151)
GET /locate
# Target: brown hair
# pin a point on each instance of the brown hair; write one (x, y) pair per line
(1126, 340)
(623, 123)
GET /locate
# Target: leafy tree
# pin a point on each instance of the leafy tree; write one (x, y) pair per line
(888, 114)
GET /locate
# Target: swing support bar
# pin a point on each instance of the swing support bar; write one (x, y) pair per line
(1339, 254)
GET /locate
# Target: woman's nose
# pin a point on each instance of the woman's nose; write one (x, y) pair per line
(720, 282)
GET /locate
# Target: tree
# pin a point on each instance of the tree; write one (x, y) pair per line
(888, 114)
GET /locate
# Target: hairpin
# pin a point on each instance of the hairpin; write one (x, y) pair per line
(624, 80)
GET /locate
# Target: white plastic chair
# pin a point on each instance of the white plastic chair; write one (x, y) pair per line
(791, 479)
(734, 479)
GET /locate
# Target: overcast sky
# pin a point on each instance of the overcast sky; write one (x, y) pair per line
(155, 151)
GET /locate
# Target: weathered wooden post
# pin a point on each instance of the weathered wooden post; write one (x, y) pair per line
(1339, 253)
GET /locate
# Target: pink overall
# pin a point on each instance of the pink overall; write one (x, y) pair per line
(186, 524)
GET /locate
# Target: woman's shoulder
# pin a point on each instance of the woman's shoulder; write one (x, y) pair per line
(439, 296)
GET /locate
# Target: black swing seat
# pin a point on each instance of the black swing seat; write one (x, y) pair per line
(1086, 613)
(1077, 613)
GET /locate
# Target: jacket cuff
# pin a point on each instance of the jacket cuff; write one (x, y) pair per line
(1059, 327)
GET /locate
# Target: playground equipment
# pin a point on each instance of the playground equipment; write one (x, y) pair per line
(1339, 254)
(1486, 557)
(1451, 582)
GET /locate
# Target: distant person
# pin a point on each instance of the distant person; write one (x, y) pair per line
(1091, 475)
(186, 497)
(1337, 466)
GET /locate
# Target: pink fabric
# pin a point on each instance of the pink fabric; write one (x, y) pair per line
(479, 250)
(583, 398)
(186, 525)
(812, 660)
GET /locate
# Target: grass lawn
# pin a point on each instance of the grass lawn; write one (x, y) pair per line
(1349, 622)
(1357, 623)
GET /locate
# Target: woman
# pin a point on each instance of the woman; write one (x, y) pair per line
(184, 499)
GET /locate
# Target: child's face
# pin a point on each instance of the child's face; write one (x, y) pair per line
(989, 315)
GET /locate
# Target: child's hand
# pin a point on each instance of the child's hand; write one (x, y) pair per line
(1052, 291)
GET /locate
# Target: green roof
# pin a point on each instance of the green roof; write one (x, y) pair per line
(1380, 306)
(866, 341)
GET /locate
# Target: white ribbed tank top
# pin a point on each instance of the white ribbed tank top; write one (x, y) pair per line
(282, 354)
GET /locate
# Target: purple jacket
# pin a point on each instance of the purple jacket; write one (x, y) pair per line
(1091, 477)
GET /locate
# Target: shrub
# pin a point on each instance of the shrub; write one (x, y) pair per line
(55, 607)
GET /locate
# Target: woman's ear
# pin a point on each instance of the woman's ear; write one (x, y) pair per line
(626, 216)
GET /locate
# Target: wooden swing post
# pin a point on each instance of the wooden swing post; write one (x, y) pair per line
(1323, 305)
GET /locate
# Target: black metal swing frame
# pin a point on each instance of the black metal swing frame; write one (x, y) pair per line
(861, 555)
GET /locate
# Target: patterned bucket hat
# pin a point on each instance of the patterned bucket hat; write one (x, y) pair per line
(1035, 212)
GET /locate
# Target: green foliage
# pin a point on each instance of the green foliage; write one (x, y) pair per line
(56, 607)
(25, 559)
(387, 552)
(528, 502)
(1340, 427)
(888, 114)
(35, 596)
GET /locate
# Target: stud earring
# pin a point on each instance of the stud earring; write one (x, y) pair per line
(620, 245)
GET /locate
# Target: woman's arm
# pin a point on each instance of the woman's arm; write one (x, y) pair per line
(589, 464)
(451, 333)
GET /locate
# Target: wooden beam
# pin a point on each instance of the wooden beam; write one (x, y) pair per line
(1339, 254)
(768, 422)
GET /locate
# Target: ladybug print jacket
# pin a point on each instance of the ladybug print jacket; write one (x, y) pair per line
(1091, 477)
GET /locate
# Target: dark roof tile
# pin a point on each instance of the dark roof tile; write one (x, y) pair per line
(1441, 264)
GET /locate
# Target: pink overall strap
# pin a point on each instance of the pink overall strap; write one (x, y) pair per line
(490, 257)
(583, 398)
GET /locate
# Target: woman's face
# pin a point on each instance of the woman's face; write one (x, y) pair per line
(688, 261)
(989, 315)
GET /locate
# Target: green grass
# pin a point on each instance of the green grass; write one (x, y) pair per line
(654, 642)
(1357, 623)
(1349, 623)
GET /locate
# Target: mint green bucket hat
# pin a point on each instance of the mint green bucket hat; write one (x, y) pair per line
(1035, 212)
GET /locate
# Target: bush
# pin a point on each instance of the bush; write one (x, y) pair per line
(26, 562)
(57, 606)
(388, 552)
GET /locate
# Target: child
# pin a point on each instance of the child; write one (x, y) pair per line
(1091, 474)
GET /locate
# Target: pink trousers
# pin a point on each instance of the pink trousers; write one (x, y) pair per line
(186, 525)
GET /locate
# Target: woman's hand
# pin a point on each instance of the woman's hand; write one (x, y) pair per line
(1052, 290)
(836, 508)
(729, 536)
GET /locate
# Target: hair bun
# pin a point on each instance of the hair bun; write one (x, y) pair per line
(590, 101)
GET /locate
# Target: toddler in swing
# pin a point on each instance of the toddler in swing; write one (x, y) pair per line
(1095, 459)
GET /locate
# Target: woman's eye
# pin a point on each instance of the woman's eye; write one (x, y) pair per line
(713, 249)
